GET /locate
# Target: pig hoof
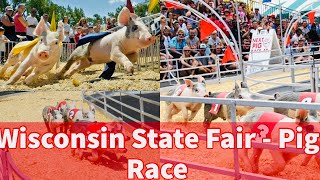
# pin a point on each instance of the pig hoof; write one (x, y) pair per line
(93, 159)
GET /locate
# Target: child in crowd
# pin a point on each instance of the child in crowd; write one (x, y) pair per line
(3, 41)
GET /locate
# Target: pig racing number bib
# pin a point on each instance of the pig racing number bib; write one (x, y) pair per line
(63, 103)
(49, 110)
(265, 125)
(179, 90)
(307, 97)
(72, 113)
(216, 107)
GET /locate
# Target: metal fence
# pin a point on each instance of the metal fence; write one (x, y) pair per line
(127, 106)
(233, 103)
(287, 63)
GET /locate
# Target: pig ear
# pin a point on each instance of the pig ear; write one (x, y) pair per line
(201, 80)
(188, 82)
(124, 16)
(41, 27)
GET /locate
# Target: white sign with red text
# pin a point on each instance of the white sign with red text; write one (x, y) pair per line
(264, 45)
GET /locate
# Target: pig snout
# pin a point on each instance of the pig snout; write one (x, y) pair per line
(43, 55)
(151, 39)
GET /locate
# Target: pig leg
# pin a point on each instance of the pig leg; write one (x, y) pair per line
(278, 165)
(243, 154)
(4, 69)
(306, 160)
(10, 62)
(29, 71)
(83, 63)
(94, 156)
(185, 114)
(194, 111)
(22, 68)
(254, 159)
(171, 110)
(37, 72)
(118, 57)
(133, 57)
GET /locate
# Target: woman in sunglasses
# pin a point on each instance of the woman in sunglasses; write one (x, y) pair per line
(188, 61)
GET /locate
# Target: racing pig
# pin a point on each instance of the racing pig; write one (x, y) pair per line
(52, 118)
(304, 97)
(94, 127)
(40, 59)
(267, 125)
(189, 89)
(214, 111)
(122, 46)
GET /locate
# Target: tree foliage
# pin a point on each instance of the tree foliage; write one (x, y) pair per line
(74, 14)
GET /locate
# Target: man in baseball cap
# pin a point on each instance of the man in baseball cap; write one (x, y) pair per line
(9, 8)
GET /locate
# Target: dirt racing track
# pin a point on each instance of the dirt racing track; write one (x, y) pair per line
(141, 80)
(224, 158)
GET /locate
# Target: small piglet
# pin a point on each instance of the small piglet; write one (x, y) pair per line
(121, 46)
(42, 57)
(189, 89)
(52, 118)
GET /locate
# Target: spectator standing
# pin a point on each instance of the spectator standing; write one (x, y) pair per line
(20, 23)
(257, 16)
(3, 41)
(8, 24)
(108, 23)
(304, 28)
(67, 29)
(46, 19)
(32, 23)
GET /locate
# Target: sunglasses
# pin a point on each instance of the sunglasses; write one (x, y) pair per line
(186, 50)
(181, 34)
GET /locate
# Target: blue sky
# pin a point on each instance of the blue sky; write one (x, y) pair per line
(91, 7)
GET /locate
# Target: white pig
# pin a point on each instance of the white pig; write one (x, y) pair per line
(41, 59)
(267, 125)
(52, 118)
(121, 46)
(189, 89)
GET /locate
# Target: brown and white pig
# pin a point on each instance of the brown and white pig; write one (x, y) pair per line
(304, 97)
(42, 57)
(53, 118)
(189, 89)
(121, 46)
(215, 111)
(267, 125)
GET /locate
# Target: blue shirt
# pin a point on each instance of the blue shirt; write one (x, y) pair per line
(179, 47)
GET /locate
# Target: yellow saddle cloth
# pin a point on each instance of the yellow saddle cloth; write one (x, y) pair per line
(26, 47)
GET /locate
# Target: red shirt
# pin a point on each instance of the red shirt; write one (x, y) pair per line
(19, 26)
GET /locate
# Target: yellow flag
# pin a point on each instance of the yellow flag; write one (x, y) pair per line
(152, 5)
(53, 26)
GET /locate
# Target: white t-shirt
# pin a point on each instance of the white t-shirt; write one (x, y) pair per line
(31, 21)
(67, 28)
(3, 44)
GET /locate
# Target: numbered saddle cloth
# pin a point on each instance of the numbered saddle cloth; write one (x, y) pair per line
(180, 89)
(72, 113)
(216, 107)
(308, 97)
(265, 124)
(59, 106)
(92, 37)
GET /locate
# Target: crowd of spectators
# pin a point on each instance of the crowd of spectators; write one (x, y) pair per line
(15, 27)
(180, 33)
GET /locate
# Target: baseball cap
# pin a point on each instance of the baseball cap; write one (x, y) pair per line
(203, 46)
(9, 8)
